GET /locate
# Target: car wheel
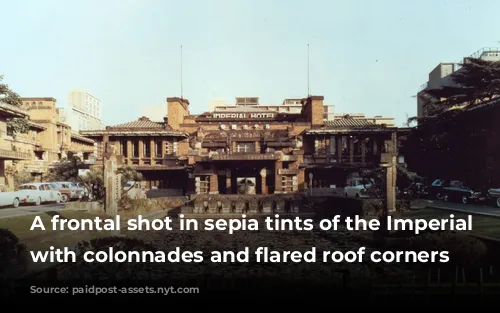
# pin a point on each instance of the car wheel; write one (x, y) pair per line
(464, 200)
(446, 198)
(439, 196)
(498, 202)
(38, 201)
(64, 198)
(15, 204)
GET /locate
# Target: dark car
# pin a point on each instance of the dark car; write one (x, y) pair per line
(416, 190)
(460, 192)
(435, 189)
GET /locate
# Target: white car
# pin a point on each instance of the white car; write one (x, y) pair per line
(357, 188)
(37, 193)
(9, 198)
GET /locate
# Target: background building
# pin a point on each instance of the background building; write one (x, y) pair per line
(440, 76)
(291, 106)
(154, 112)
(84, 112)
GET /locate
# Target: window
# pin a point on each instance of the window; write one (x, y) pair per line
(123, 148)
(333, 145)
(245, 147)
(158, 148)
(135, 149)
(202, 184)
(147, 149)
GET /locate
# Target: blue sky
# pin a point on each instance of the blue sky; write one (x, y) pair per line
(366, 56)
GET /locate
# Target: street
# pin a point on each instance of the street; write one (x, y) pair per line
(28, 209)
(480, 209)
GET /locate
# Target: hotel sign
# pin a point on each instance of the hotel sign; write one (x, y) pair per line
(241, 116)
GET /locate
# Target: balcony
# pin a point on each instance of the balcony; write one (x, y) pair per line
(250, 156)
(14, 155)
(344, 160)
(36, 166)
(287, 171)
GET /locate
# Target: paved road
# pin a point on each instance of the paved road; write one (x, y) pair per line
(480, 209)
(27, 210)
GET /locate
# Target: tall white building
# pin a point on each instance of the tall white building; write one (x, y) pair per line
(155, 113)
(84, 112)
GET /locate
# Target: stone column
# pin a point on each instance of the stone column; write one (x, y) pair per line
(129, 152)
(214, 184)
(338, 139)
(263, 174)
(228, 181)
(277, 181)
(351, 149)
(152, 150)
(112, 182)
(141, 151)
(363, 150)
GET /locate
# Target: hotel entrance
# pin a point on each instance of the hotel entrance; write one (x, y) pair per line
(246, 177)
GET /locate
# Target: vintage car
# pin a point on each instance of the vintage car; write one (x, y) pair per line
(435, 189)
(9, 198)
(37, 193)
(65, 190)
(77, 190)
(460, 192)
(358, 188)
(493, 196)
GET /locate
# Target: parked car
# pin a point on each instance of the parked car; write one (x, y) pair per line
(64, 189)
(416, 190)
(493, 195)
(37, 193)
(10, 198)
(358, 188)
(459, 191)
(77, 191)
(435, 189)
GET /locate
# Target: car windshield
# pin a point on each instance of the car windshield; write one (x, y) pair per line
(27, 187)
(55, 186)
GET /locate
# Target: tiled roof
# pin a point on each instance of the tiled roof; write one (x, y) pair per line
(349, 122)
(81, 138)
(141, 123)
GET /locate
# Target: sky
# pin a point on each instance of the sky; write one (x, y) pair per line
(365, 56)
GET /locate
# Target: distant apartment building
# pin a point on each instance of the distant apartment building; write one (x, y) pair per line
(291, 106)
(84, 112)
(440, 76)
(155, 113)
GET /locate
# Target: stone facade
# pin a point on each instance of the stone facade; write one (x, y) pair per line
(47, 141)
(248, 150)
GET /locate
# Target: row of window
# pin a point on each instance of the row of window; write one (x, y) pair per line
(170, 149)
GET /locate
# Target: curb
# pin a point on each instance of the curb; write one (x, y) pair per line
(154, 215)
(462, 211)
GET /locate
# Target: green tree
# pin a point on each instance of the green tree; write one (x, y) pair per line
(15, 125)
(474, 83)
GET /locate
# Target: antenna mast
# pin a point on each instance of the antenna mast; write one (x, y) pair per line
(181, 71)
(308, 83)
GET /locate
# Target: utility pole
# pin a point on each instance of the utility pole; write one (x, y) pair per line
(308, 70)
(181, 72)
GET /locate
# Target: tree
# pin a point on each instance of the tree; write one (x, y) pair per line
(15, 125)
(474, 83)
(129, 174)
(66, 169)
